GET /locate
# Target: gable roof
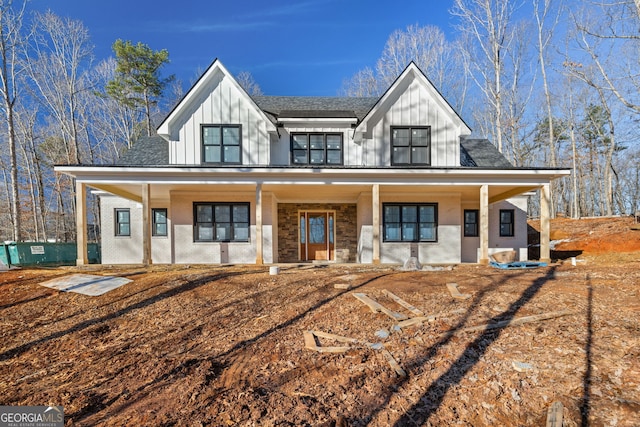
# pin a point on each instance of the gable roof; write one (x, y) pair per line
(315, 106)
(200, 88)
(412, 70)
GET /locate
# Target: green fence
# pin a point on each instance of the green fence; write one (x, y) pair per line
(50, 254)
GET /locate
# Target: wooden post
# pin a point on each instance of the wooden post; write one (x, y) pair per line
(259, 248)
(82, 257)
(375, 206)
(146, 224)
(484, 225)
(545, 224)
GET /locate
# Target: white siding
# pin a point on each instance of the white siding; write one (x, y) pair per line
(223, 104)
(417, 105)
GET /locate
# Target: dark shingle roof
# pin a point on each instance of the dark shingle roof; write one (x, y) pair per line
(147, 151)
(318, 114)
(277, 105)
(482, 153)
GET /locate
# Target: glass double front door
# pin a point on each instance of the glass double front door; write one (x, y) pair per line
(316, 235)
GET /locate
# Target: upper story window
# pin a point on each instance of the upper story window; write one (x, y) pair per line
(222, 144)
(411, 145)
(316, 148)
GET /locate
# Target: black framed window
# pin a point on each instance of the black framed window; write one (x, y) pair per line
(123, 222)
(222, 144)
(221, 222)
(471, 222)
(411, 145)
(410, 222)
(507, 222)
(316, 148)
(159, 222)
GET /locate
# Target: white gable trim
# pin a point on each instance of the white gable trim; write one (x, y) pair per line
(412, 71)
(194, 94)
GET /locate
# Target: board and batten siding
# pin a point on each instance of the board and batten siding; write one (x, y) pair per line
(225, 105)
(415, 106)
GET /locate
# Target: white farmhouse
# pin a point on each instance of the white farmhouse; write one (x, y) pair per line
(232, 178)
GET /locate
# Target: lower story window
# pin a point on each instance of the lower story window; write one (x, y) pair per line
(221, 222)
(506, 222)
(410, 222)
(159, 218)
(123, 222)
(471, 222)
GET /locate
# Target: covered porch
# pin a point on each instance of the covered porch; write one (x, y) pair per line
(366, 189)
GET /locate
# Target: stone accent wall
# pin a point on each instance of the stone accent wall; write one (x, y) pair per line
(345, 223)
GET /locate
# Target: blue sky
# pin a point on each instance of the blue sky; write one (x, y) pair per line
(291, 47)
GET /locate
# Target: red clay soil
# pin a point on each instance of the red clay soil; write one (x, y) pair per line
(595, 235)
(224, 345)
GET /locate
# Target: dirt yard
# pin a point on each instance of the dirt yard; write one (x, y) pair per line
(224, 345)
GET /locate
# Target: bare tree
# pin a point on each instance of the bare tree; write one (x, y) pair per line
(58, 56)
(428, 48)
(609, 34)
(114, 126)
(488, 24)
(546, 21)
(11, 40)
(248, 83)
(361, 84)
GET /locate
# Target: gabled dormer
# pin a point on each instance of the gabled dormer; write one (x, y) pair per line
(217, 124)
(411, 125)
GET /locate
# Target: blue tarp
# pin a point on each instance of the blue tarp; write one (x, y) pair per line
(517, 265)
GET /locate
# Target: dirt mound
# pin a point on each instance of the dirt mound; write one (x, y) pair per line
(592, 235)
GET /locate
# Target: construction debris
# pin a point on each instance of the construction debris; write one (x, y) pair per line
(455, 293)
(346, 286)
(412, 264)
(517, 321)
(521, 366)
(403, 303)
(379, 308)
(311, 343)
(86, 284)
(419, 320)
(554, 414)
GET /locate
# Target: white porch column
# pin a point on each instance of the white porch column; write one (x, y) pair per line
(375, 213)
(259, 248)
(545, 224)
(82, 257)
(484, 225)
(146, 224)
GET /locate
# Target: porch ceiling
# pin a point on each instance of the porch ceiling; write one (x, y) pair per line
(305, 193)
